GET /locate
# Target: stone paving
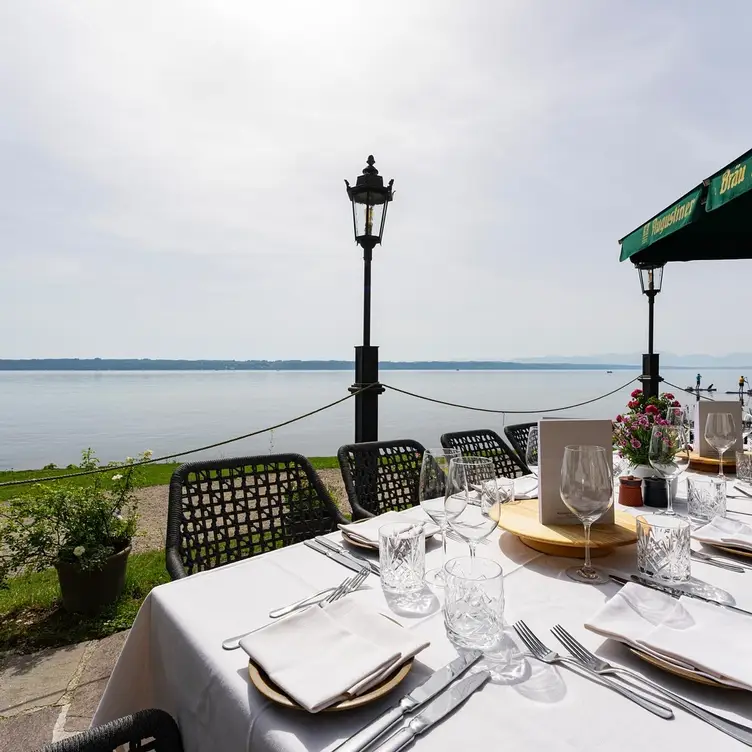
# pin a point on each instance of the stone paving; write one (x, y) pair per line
(52, 694)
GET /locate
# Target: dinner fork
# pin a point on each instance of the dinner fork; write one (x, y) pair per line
(344, 588)
(738, 731)
(546, 655)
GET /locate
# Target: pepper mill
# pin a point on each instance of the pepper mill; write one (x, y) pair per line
(630, 491)
(656, 494)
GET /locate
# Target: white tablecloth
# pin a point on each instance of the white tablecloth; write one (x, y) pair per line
(173, 660)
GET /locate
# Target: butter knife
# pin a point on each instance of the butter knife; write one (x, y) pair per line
(363, 562)
(442, 706)
(435, 683)
(343, 560)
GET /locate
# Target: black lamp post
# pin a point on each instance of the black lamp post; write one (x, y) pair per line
(651, 279)
(370, 199)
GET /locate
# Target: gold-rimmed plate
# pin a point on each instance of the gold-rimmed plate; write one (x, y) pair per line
(271, 691)
(676, 670)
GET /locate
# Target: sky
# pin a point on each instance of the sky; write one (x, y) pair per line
(171, 175)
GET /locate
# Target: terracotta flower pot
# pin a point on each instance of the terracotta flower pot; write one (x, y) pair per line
(87, 592)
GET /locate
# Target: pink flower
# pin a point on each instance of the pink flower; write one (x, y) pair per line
(636, 393)
(633, 404)
(669, 396)
(676, 403)
(636, 444)
(652, 410)
(619, 418)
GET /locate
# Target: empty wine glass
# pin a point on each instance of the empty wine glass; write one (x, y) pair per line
(431, 492)
(531, 451)
(669, 455)
(720, 433)
(472, 499)
(586, 489)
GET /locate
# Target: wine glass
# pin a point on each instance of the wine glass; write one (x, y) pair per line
(720, 433)
(471, 503)
(431, 491)
(531, 451)
(669, 455)
(586, 489)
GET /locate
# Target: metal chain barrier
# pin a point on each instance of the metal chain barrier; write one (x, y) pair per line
(689, 391)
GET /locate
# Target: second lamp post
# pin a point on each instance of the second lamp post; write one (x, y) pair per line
(651, 279)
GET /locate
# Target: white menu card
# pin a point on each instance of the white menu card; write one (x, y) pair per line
(702, 409)
(553, 436)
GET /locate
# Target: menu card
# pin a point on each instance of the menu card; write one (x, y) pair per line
(702, 409)
(553, 436)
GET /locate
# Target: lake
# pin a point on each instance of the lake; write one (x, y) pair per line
(50, 416)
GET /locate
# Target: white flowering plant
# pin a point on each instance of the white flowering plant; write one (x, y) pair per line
(82, 521)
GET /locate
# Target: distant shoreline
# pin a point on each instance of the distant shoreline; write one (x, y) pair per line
(128, 364)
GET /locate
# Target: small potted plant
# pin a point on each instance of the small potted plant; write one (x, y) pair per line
(82, 527)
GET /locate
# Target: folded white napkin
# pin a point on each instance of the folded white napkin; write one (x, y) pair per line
(368, 530)
(724, 531)
(323, 655)
(526, 487)
(711, 640)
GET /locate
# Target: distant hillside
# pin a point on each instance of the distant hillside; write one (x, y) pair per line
(104, 364)
(668, 360)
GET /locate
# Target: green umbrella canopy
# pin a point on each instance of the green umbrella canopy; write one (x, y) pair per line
(712, 221)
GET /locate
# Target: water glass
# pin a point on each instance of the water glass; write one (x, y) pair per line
(531, 451)
(720, 433)
(669, 454)
(402, 558)
(663, 550)
(744, 466)
(474, 605)
(706, 499)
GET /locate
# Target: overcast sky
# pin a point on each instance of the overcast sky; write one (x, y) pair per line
(171, 175)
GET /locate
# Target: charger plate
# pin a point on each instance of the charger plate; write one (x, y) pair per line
(696, 462)
(521, 519)
(271, 691)
(672, 668)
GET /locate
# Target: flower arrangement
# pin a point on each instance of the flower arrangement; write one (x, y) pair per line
(632, 429)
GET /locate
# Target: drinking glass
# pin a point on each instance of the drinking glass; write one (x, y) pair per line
(663, 548)
(720, 433)
(531, 452)
(431, 492)
(706, 499)
(669, 455)
(472, 499)
(402, 558)
(586, 489)
(744, 466)
(746, 428)
(474, 604)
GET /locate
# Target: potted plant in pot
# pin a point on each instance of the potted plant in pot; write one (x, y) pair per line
(83, 528)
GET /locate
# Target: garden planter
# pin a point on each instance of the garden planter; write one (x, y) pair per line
(87, 592)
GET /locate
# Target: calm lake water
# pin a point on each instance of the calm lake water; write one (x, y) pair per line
(51, 416)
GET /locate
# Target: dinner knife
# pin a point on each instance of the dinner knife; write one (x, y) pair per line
(339, 558)
(676, 592)
(438, 681)
(713, 562)
(340, 550)
(444, 704)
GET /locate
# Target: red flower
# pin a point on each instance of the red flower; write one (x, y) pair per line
(619, 418)
(633, 404)
(636, 393)
(676, 403)
(652, 410)
(669, 396)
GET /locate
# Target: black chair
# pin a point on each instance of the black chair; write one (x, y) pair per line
(145, 731)
(227, 510)
(487, 443)
(518, 435)
(381, 476)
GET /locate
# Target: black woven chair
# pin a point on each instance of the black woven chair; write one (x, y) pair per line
(487, 443)
(381, 476)
(227, 510)
(145, 731)
(517, 435)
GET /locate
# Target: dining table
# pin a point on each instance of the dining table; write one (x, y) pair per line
(173, 658)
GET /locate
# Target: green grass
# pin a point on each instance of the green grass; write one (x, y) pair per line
(32, 616)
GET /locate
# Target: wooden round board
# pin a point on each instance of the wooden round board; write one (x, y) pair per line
(672, 668)
(711, 463)
(521, 519)
(270, 690)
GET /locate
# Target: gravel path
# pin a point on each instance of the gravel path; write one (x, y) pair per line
(152, 508)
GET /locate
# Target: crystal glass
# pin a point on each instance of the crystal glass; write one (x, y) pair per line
(744, 466)
(474, 604)
(669, 455)
(431, 494)
(663, 550)
(587, 490)
(472, 499)
(531, 452)
(746, 427)
(402, 558)
(706, 499)
(720, 433)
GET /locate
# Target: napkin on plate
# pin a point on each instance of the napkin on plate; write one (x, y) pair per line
(368, 530)
(526, 487)
(321, 656)
(688, 632)
(724, 531)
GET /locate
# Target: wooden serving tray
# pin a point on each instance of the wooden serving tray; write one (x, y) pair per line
(521, 519)
(706, 464)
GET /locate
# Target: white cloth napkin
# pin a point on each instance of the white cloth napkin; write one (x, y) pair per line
(323, 655)
(526, 487)
(368, 530)
(724, 531)
(713, 640)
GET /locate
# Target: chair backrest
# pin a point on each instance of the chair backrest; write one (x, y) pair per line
(145, 731)
(518, 434)
(226, 510)
(381, 476)
(487, 443)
